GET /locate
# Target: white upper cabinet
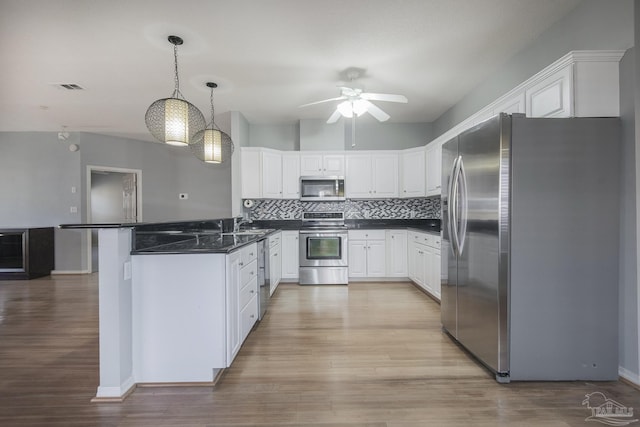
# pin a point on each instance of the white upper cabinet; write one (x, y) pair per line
(434, 168)
(551, 97)
(358, 177)
(271, 175)
(251, 172)
(385, 175)
(413, 173)
(290, 175)
(322, 164)
(371, 176)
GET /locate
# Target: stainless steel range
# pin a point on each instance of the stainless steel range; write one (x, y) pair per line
(323, 249)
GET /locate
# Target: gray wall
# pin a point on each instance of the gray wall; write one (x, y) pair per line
(38, 172)
(594, 24)
(373, 135)
(318, 135)
(628, 290)
(278, 137)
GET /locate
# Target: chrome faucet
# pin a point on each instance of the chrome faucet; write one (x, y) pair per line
(237, 222)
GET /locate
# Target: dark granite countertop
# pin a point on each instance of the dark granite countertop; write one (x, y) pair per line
(205, 236)
(157, 242)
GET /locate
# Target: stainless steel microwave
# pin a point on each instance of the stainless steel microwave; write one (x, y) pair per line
(321, 188)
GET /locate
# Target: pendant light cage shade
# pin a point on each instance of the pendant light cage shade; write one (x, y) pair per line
(174, 121)
(211, 145)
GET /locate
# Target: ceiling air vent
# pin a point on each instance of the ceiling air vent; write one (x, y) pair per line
(69, 86)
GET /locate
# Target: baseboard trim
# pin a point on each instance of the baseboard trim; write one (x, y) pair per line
(115, 394)
(62, 272)
(630, 378)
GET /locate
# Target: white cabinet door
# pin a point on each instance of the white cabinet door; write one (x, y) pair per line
(290, 254)
(358, 177)
(311, 164)
(275, 261)
(413, 173)
(416, 271)
(396, 252)
(384, 175)
(434, 169)
(271, 175)
(428, 260)
(234, 340)
(290, 175)
(376, 262)
(322, 164)
(357, 258)
(333, 165)
(251, 175)
(436, 280)
(552, 96)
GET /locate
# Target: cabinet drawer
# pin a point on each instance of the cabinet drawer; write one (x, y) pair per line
(367, 234)
(248, 254)
(248, 317)
(274, 240)
(248, 272)
(248, 291)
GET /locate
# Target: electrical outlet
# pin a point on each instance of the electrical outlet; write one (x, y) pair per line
(73, 209)
(183, 196)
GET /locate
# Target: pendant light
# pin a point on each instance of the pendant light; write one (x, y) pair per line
(211, 145)
(174, 120)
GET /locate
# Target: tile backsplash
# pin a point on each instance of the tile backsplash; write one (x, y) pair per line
(275, 209)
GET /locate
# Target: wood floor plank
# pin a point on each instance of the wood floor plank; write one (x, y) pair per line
(363, 355)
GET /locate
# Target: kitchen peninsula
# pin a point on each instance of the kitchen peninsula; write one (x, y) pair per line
(173, 300)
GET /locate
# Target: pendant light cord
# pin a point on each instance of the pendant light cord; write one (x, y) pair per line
(176, 91)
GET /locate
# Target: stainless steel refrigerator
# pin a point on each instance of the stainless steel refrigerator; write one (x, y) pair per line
(530, 243)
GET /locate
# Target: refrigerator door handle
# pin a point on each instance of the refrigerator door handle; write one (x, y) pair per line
(454, 205)
(462, 235)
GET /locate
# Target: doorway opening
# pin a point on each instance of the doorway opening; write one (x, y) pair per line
(113, 196)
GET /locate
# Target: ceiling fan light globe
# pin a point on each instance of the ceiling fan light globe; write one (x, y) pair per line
(359, 107)
(346, 109)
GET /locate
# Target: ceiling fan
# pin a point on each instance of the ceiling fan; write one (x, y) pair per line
(357, 102)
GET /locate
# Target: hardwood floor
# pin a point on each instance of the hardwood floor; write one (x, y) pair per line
(370, 354)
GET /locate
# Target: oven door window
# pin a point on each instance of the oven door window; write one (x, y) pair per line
(324, 248)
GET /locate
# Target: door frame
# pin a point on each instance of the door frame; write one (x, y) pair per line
(95, 168)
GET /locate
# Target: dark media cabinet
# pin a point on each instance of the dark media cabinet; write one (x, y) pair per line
(26, 253)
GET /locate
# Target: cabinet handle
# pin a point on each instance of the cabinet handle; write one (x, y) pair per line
(251, 272)
(252, 291)
(252, 316)
(251, 254)
(241, 264)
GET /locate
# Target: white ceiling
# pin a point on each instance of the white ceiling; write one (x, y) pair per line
(267, 56)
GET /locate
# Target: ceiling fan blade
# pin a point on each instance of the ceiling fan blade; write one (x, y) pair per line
(384, 97)
(324, 100)
(334, 117)
(376, 112)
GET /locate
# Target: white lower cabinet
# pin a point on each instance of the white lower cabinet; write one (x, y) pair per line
(242, 297)
(424, 261)
(275, 261)
(367, 249)
(290, 255)
(396, 252)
